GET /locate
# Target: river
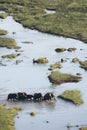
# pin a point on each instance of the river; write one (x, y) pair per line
(30, 78)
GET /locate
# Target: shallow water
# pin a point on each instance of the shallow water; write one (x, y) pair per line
(31, 78)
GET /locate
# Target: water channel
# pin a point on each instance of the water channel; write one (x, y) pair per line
(30, 78)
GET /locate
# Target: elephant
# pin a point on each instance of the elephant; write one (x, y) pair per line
(38, 97)
(49, 96)
(30, 97)
(12, 96)
(22, 96)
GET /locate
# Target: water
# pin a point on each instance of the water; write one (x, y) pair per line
(31, 78)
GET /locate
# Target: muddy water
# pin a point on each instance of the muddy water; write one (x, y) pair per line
(31, 78)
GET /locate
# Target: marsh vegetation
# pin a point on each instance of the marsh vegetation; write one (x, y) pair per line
(72, 96)
(3, 32)
(83, 128)
(7, 42)
(57, 77)
(3, 15)
(69, 19)
(6, 117)
(83, 64)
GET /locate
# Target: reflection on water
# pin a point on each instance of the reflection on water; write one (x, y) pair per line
(32, 78)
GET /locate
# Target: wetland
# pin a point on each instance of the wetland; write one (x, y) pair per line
(60, 58)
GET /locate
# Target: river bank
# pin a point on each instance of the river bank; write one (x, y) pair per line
(63, 18)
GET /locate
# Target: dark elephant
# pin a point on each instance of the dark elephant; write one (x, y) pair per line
(30, 97)
(49, 96)
(12, 97)
(38, 97)
(22, 96)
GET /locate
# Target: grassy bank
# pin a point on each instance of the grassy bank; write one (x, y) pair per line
(3, 15)
(69, 19)
(6, 118)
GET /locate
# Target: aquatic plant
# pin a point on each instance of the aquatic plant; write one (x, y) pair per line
(57, 77)
(73, 96)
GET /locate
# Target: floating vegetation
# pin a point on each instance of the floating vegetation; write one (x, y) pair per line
(6, 117)
(55, 66)
(73, 96)
(7, 42)
(3, 32)
(57, 77)
(83, 64)
(41, 60)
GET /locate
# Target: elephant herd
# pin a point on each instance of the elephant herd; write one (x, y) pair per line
(22, 96)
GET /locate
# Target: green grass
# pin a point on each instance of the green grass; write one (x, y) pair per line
(72, 96)
(7, 42)
(57, 77)
(3, 32)
(69, 19)
(6, 118)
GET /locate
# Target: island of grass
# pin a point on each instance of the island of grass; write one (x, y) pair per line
(75, 60)
(83, 128)
(7, 42)
(10, 56)
(57, 77)
(73, 96)
(7, 118)
(55, 66)
(68, 19)
(60, 49)
(3, 32)
(3, 15)
(83, 64)
(41, 60)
